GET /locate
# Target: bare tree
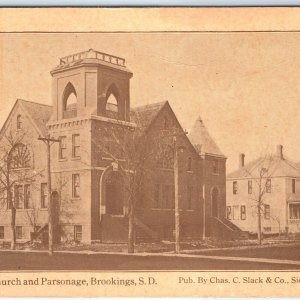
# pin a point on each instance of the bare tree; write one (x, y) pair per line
(261, 175)
(134, 155)
(15, 168)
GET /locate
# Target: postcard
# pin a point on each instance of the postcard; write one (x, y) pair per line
(149, 152)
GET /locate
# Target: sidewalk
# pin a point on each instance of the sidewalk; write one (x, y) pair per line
(168, 254)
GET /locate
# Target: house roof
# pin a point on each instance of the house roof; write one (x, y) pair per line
(144, 115)
(202, 141)
(40, 113)
(276, 166)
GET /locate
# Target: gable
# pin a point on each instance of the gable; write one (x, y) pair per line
(165, 123)
(33, 118)
(277, 167)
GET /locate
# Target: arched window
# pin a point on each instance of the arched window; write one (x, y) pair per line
(19, 122)
(165, 157)
(69, 102)
(112, 104)
(20, 157)
(166, 124)
(112, 109)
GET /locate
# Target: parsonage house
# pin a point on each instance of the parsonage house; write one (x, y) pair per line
(88, 121)
(279, 179)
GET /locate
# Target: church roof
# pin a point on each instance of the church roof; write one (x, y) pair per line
(39, 113)
(202, 141)
(276, 166)
(144, 115)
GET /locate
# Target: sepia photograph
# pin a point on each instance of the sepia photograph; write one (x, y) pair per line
(149, 151)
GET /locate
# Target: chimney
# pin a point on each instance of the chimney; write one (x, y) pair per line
(242, 160)
(279, 151)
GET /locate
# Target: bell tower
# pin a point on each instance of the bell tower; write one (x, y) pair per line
(91, 83)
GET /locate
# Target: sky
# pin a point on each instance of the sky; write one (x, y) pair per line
(245, 86)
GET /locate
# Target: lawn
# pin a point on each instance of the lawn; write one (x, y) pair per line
(285, 252)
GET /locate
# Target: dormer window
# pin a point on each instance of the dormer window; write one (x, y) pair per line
(19, 122)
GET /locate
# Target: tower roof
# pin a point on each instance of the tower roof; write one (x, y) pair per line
(202, 141)
(91, 57)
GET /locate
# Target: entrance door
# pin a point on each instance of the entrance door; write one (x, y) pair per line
(214, 202)
(114, 195)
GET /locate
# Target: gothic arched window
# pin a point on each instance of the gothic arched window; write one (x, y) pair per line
(165, 157)
(69, 102)
(112, 103)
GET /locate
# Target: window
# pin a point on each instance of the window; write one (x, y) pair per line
(78, 233)
(165, 157)
(166, 125)
(62, 147)
(268, 186)
(19, 197)
(44, 195)
(20, 157)
(235, 187)
(189, 164)
(69, 102)
(294, 211)
(215, 167)
(189, 197)
(76, 185)
(228, 212)
(156, 195)
(19, 122)
(267, 211)
(293, 186)
(249, 186)
(19, 232)
(166, 194)
(112, 107)
(243, 212)
(27, 196)
(76, 145)
(1, 232)
(172, 196)
(236, 212)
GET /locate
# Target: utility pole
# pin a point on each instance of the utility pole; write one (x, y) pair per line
(49, 142)
(204, 213)
(204, 199)
(177, 150)
(177, 197)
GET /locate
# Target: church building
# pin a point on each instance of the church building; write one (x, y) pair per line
(90, 118)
